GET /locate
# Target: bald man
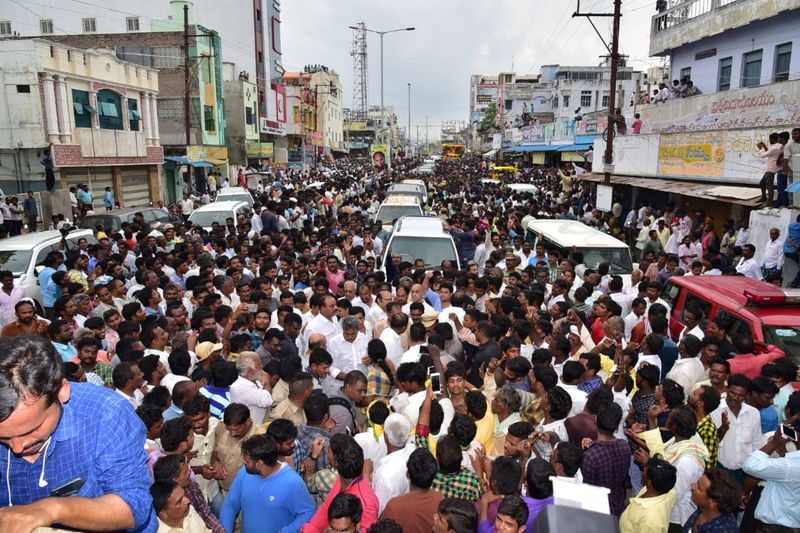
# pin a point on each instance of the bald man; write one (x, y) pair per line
(418, 295)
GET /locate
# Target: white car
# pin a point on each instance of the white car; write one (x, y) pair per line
(219, 212)
(395, 207)
(423, 238)
(235, 194)
(24, 255)
(523, 187)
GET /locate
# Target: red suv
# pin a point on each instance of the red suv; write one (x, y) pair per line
(755, 308)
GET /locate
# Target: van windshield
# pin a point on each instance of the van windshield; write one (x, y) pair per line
(206, 218)
(388, 213)
(618, 259)
(431, 250)
(16, 261)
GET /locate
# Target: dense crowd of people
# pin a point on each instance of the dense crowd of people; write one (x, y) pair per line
(288, 372)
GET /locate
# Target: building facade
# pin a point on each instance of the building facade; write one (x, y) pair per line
(702, 151)
(95, 113)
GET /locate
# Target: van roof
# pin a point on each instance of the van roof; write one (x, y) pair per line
(736, 292)
(566, 233)
(414, 182)
(29, 241)
(232, 190)
(405, 187)
(227, 205)
(401, 199)
(422, 226)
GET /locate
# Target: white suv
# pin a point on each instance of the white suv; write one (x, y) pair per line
(24, 255)
(423, 238)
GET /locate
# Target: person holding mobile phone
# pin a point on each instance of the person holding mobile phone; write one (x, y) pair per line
(91, 442)
(775, 463)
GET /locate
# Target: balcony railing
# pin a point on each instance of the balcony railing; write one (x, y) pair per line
(682, 11)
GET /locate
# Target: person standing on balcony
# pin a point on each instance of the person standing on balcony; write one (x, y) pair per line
(771, 153)
(792, 148)
(783, 171)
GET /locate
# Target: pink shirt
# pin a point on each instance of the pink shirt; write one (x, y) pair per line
(334, 280)
(772, 154)
(359, 488)
(7, 303)
(636, 126)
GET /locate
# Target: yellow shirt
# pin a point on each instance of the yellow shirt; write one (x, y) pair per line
(485, 434)
(647, 515)
(229, 452)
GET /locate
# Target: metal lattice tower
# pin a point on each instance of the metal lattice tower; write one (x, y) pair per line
(359, 53)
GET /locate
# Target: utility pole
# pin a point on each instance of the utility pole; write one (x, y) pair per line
(608, 159)
(187, 104)
(408, 133)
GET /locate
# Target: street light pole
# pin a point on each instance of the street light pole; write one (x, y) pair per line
(408, 133)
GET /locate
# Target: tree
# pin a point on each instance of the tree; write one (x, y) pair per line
(489, 118)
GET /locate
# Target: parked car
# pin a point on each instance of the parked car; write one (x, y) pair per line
(24, 255)
(754, 308)
(112, 220)
(219, 212)
(234, 194)
(423, 238)
(395, 207)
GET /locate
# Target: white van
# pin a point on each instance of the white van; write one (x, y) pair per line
(24, 255)
(408, 189)
(234, 194)
(419, 183)
(207, 214)
(423, 238)
(395, 207)
(597, 247)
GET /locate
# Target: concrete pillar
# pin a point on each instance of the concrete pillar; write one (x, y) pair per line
(116, 185)
(154, 182)
(126, 123)
(154, 119)
(93, 103)
(146, 126)
(50, 112)
(62, 107)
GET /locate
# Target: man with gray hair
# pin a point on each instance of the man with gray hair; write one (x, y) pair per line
(252, 388)
(390, 478)
(349, 348)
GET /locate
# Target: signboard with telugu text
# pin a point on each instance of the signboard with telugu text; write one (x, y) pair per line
(692, 154)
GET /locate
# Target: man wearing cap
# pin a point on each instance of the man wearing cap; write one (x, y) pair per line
(207, 353)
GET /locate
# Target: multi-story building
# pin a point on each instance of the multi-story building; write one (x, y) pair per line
(359, 133)
(95, 113)
(249, 29)
(205, 148)
(241, 112)
(701, 151)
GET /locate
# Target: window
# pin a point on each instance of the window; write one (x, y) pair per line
(555, 102)
(23, 89)
(249, 116)
(565, 98)
(604, 101)
(692, 301)
(686, 73)
(133, 114)
(132, 23)
(586, 98)
(5, 27)
(751, 68)
(783, 56)
(109, 109)
(509, 104)
(208, 118)
(81, 109)
(724, 76)
(737, 325)
(89, 25)
(46, 26)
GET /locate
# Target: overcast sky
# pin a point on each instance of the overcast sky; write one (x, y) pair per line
(453, 39)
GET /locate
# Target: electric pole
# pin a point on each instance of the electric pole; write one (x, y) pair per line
(608, 159)
(187, 104)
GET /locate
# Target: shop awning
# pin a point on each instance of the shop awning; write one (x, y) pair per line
(215, 162)
(181, 160)
(533, 148)
(574, 148)
(490, 154)
(741, 195)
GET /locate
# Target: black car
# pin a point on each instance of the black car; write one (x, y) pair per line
(112, 220)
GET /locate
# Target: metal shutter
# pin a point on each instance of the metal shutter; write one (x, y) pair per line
(135, 188)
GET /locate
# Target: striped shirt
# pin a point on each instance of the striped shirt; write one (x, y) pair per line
(219, 398)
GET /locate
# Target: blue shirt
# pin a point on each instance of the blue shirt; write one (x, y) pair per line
(778, 503)
(108, 199)
(66, 351)
(725, 523)
(769, 419)
(50, 291)
(30, 206)
(277, 504)
(99, 439)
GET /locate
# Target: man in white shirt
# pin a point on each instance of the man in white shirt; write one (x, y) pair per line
(418, 295)
(635, 317)
(747, 265)
(391, 337)
(624, 300)
(739, 426)
(571, 374)
(389, 479)
(349, 348)
(251, 388)
(128, 381)
(416, 336)
(651, 346)
(692, 318)
(688, 369)
(773, 251)
(378, 311)
(325, 322)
